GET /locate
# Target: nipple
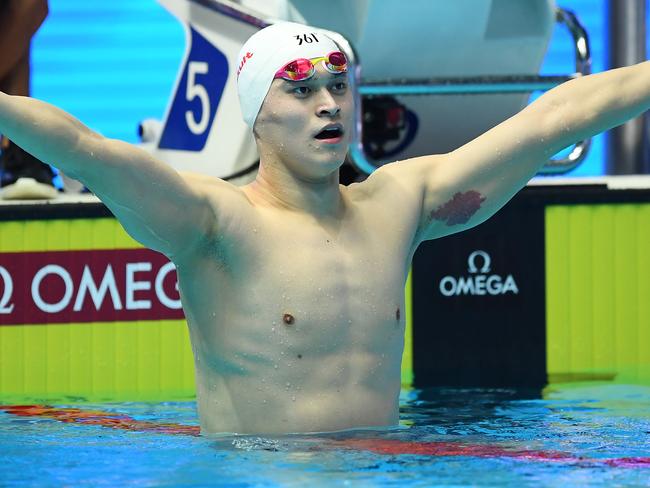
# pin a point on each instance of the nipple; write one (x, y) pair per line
(288, 319)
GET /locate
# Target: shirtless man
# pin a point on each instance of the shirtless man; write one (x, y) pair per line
(293, 285)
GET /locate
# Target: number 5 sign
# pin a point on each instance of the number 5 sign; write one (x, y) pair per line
(197, 97)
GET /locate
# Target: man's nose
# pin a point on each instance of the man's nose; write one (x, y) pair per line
(327, 105)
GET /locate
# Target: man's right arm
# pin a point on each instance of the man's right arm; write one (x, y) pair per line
(153, 202)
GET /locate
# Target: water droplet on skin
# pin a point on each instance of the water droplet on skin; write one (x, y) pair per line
(293, 398)
(288, 385)
(272, 329)
(275, 366)
(264, 401)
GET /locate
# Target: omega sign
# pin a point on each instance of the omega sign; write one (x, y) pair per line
(479, 281)
(87, 286)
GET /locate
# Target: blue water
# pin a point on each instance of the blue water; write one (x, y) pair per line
(592, 422)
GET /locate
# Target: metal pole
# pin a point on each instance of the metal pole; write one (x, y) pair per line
(627, 144)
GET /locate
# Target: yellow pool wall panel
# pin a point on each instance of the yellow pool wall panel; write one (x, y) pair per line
(598, 293)
(407, 355)
(135, 360)
(98, 361)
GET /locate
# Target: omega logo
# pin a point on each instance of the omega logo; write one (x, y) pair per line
(479, 281)
(88, 288)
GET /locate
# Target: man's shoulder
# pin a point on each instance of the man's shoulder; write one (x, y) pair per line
(228, 202)
(201, 180)
(213, 188)
(396, 178)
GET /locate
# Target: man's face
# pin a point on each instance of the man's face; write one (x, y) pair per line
(307, 124)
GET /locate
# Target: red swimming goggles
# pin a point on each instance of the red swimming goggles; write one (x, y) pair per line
(302, 68)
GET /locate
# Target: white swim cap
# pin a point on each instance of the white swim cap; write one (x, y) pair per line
(268, 50)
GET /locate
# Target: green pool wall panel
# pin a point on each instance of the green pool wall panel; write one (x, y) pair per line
(598, 292)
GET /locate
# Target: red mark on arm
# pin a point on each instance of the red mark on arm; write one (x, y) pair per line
(459, 209)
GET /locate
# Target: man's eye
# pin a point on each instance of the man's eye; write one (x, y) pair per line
(302, 90)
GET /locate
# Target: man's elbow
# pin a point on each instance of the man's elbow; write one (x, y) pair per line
(557, 119)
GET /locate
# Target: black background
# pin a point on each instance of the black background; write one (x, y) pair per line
(483, 341)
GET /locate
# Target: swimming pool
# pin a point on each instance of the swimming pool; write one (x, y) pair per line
(594, 434)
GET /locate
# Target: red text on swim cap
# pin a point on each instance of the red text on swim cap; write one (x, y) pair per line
(245, 58)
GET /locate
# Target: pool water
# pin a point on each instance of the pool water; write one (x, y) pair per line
(596, 435)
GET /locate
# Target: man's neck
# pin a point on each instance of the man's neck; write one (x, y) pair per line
(278, 186)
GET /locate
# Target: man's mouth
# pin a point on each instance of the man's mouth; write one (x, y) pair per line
(331, 133)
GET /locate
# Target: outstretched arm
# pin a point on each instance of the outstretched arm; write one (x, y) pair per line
(465, 187)
(151, 200)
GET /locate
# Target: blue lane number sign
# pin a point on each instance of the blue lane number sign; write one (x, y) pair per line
(197, 97)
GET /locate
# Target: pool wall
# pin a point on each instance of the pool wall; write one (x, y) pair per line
(554, 289)
(134, 346)
(598, 263)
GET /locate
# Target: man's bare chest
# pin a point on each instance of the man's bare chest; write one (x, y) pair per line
(303, 284)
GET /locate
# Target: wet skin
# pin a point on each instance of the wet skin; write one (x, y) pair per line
(293, 285)
(294, 305)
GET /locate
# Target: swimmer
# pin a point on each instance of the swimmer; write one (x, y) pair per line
(293, 285)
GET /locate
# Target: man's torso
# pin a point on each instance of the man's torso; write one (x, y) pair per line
(297, 324)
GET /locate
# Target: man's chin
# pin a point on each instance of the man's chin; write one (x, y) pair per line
(331, 158)
(331, 165)
(315, 170)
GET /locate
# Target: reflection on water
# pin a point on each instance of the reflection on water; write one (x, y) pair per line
(595, 434)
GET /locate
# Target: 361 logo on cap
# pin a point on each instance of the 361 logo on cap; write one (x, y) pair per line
(306, 38)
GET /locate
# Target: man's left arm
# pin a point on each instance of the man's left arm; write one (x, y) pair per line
(463, 188)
